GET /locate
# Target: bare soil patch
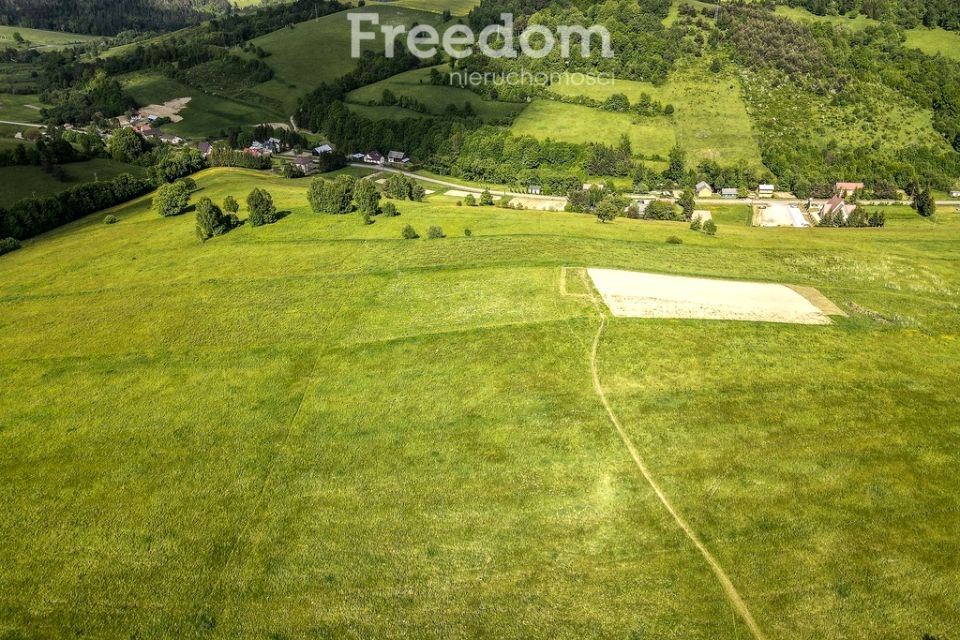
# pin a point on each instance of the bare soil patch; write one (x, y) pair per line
(646, 295)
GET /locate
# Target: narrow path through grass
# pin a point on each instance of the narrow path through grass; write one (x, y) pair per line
(736, 601)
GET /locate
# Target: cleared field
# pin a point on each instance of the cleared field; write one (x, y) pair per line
(710, 120)
(859, 21)
(39, 38)
(27, 182)
(631, 294)
(309, 53)
(204, 115)
(416, 84)
(455, 7)
(20, 108)
(563, 122)
(934, 41)
(316, 429)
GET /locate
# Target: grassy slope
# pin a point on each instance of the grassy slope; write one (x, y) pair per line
(710, 119)
(574, 123)
(416, 84)
(317, 51)
(25, 182)
(40, 38)
(455, 7)
(930, 41)
(205, 115)
(215, 439)
(14, 107)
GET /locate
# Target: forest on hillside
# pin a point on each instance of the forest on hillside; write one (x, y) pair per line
(108, 17)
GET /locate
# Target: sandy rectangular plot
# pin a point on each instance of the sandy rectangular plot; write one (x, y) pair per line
(645, 295)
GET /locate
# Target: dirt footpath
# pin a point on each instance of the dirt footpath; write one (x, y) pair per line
(645, 295)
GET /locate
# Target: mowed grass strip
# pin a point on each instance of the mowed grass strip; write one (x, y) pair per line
(32, 182)
(211, 439)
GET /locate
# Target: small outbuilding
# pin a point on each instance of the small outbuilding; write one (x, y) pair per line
(729, 193)
(397, 157)
(848, 188)
(766, 190)
(703, 190)
(325, 148)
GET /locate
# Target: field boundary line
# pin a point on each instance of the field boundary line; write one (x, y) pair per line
(733, 596)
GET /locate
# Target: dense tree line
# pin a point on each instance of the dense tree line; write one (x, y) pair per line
(906, 13)
(32, 216)
(108, 17)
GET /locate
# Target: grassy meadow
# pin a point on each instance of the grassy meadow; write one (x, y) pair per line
(455, 7)
(30, 181)
(309, 53)
(416, 84)
(317, 429)
(42, 39)
(20, 107)
(710, 120)
(564, 122)
(205, 114)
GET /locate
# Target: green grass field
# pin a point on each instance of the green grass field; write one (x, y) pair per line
(563, 122)
(27, 182)
(935, 41)
(41, 39)
(455, 7)
(710, 119)
(416, 84)
(20, 108)
(205, 115)
(316, 429)
(317, 51)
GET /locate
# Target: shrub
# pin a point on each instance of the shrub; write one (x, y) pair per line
(633, 211)
(469, 200)
(409, 233)
(662, 210)
(468, 233)
(696, 225)
(674, 240)
(435, 232)
(389, 210)
(211, 221)
(333, 197)
(9, 244)
(486, 199)
(710, 228)
(608, 209)
(367, 197)
(260, 204)
(171, 199)
(110, 219)
(367, 218)
(230, 204)
(459, 203)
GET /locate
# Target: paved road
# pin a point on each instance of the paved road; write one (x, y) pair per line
(750, 201)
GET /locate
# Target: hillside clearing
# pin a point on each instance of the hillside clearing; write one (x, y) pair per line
(341, 423)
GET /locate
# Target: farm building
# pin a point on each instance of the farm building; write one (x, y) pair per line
(397, 157)
(848, 188)
(534, 189)
(836, 205)
(703, 190)
(322, 149)
(955, 193)
(374, 157)
(766, 190)
(728, 192)
(204, 148)
(304, 164)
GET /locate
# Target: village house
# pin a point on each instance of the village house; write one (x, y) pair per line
(766, 190)
(836, 205)
(703, 190)
(728, 193)
(205, 148)
(848, 188)
(397, 157)
(374, 157)
(304, 164)
(322, 149)
(955, 193)
(357, 156)
(534, 189)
